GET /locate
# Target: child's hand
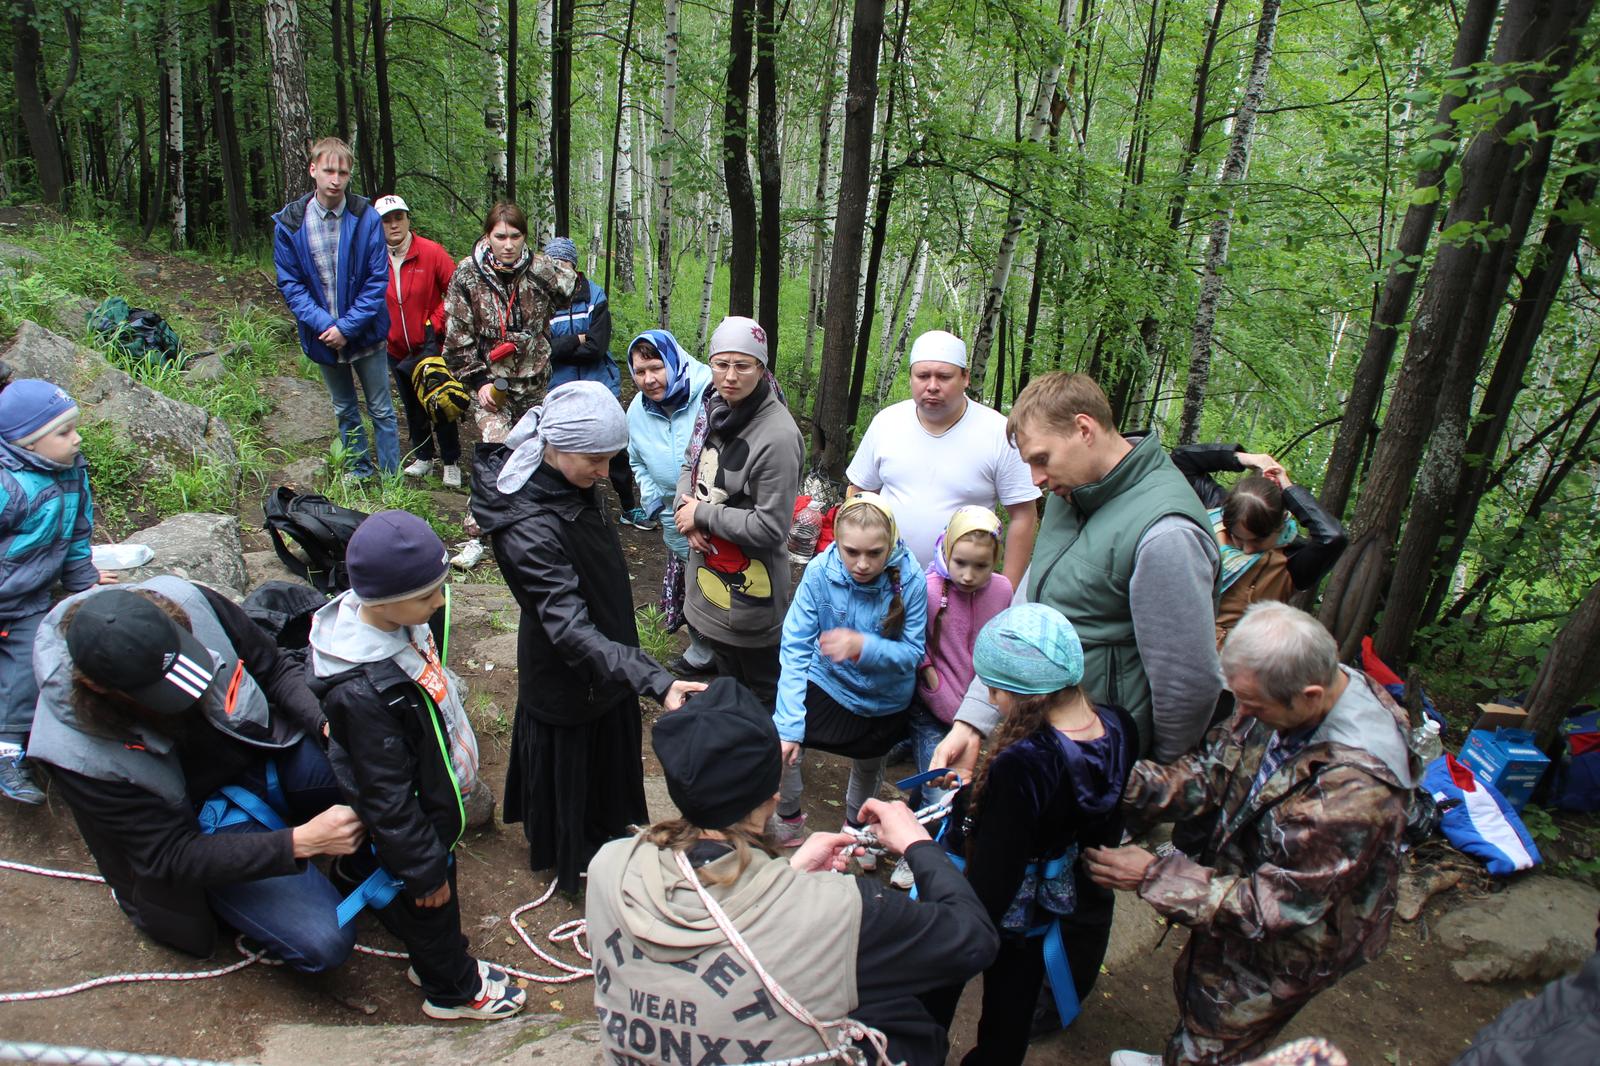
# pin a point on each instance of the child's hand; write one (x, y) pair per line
(680, 691)
(822, 852)
(437, 898)
(841, 644)
(930, 679)
(107, 577)
(791, 752)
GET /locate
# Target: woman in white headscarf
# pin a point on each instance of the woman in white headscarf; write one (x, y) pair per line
(575, 779)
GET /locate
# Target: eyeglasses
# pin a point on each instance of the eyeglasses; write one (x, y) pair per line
(720, 366)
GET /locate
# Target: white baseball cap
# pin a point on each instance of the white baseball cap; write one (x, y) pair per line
(390, 203)
(938, 346)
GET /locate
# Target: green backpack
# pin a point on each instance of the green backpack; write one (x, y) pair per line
(137, 335)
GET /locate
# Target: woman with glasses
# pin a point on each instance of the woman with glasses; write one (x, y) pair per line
(734, 504)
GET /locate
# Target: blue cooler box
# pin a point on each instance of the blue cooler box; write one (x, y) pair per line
(1508, 759)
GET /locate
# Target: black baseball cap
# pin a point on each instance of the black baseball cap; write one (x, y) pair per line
(122, 641)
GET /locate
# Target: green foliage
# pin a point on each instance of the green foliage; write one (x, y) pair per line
(391, 492)
(32, 297)
(115, 468)
(81, 258)
(654, 639)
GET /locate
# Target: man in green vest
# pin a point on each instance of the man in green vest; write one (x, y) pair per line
(1126, 552)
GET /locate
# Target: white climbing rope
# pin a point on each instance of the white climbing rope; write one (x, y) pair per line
(847, 1029)
(567, 932)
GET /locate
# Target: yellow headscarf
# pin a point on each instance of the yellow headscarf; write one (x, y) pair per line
(877, 503)
(969, 519)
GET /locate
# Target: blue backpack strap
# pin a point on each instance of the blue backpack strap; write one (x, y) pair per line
(377, 891)
(253, 805)
(1059, 972)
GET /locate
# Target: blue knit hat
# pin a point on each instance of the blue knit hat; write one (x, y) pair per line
(31, 409)
(1029, 649)
(394, 555)
(562, 248)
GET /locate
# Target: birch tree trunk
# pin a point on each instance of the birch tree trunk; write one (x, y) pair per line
(713, 239)
(1005, 255)
(172, 129)
(665, 153)
(491, 36)
(291, 104)
(540, 164)
(1234, 168)
(891, 358)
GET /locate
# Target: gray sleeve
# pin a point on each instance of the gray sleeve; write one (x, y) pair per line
(1174, 624)
(975, 709)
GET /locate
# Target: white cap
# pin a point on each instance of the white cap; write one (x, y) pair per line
(389, 203)
(740, 336)
(937, 346)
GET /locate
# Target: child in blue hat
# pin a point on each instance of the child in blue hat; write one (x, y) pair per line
(1050, 788)
(46, 518)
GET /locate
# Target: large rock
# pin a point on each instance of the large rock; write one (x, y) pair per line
(16, 253)
(301, 414)
(169, 434)
(568, 1039)
(1537, 929)
(199, 547)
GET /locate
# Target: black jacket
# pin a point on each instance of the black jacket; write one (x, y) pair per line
(387, 738)
(151, 852)
(1310, 556)
(578, 655)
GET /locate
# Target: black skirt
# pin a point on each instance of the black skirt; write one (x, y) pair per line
(833, 727)
(574, 788)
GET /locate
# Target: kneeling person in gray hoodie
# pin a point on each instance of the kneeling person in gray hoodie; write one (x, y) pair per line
(399, 731)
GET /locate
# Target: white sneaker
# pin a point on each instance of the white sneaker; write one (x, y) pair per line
(1134, 1058)
(451, 473)
(420, 468)
(469, 553)
(902, 878)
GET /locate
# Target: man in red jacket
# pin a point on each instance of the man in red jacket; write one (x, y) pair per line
(419, 273)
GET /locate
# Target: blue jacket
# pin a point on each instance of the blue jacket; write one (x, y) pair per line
(46, 516)
(589, 313)
(657, 443)
(362, 278)
(878, 683)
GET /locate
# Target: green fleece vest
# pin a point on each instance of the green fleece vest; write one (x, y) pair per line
(1083, 567)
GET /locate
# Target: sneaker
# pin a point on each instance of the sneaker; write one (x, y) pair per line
(868, 861)
(903, 878)
(639, 520)
(785, 832)
(357, 477)
(420, 468)
(450, 473)
(1134, 1058)
(468, 554)
(488, 973)
(682, 667)
(16, 780)
(495, 1001)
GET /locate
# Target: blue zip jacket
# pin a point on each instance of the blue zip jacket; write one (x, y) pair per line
(362, 278)
(657, 444)
(878, 683)
(46, 516)
(589, 313)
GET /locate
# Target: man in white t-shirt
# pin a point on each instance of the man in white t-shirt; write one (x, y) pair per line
(939, 451)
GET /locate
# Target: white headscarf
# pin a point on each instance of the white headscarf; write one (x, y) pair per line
(580, 416)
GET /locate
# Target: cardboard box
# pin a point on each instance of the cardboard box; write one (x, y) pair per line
(1494, 716)
(1508, 759)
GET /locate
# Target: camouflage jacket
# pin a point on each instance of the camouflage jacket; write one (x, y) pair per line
(483, 309)
(1302, 881)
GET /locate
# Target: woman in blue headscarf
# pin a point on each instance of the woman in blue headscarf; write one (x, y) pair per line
(672, 386)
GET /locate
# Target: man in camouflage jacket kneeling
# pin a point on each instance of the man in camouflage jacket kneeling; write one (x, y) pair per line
(1308, 782)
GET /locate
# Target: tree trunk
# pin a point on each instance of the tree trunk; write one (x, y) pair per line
(341, 71)
(820, 216)
(713, 239)
(1528, 31)
(367, 163)
(380, 71)
(172, 129)
(220, 68)
(544, 34)
(623, 219)
(666, 154)
(830, 426)
(27, 70)
(1234, 168)
(736, 163)
(511, 100)
(771, 175)
(994, 294)
(491, 36)
(892, 359)
(291, 106)
(1372, 369)
(561, 120)
(1570, 671)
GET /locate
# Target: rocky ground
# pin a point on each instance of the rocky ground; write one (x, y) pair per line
(1472, 950)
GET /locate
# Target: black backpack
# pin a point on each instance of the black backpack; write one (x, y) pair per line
(319, 528)
(135, 333)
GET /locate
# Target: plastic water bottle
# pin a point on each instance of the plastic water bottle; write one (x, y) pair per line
(1425, 741)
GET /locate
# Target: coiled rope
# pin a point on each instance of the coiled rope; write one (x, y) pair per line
(571, 932)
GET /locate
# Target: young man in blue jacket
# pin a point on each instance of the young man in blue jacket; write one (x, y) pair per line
(333, 271)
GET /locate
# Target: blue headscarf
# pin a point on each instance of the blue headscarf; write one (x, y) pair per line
(677, 367)
(1030, 649)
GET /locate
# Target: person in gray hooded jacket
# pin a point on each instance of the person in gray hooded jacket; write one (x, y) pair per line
(151, 700)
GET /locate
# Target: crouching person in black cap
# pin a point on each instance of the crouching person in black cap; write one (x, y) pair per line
(154, 698)
(706, 941)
